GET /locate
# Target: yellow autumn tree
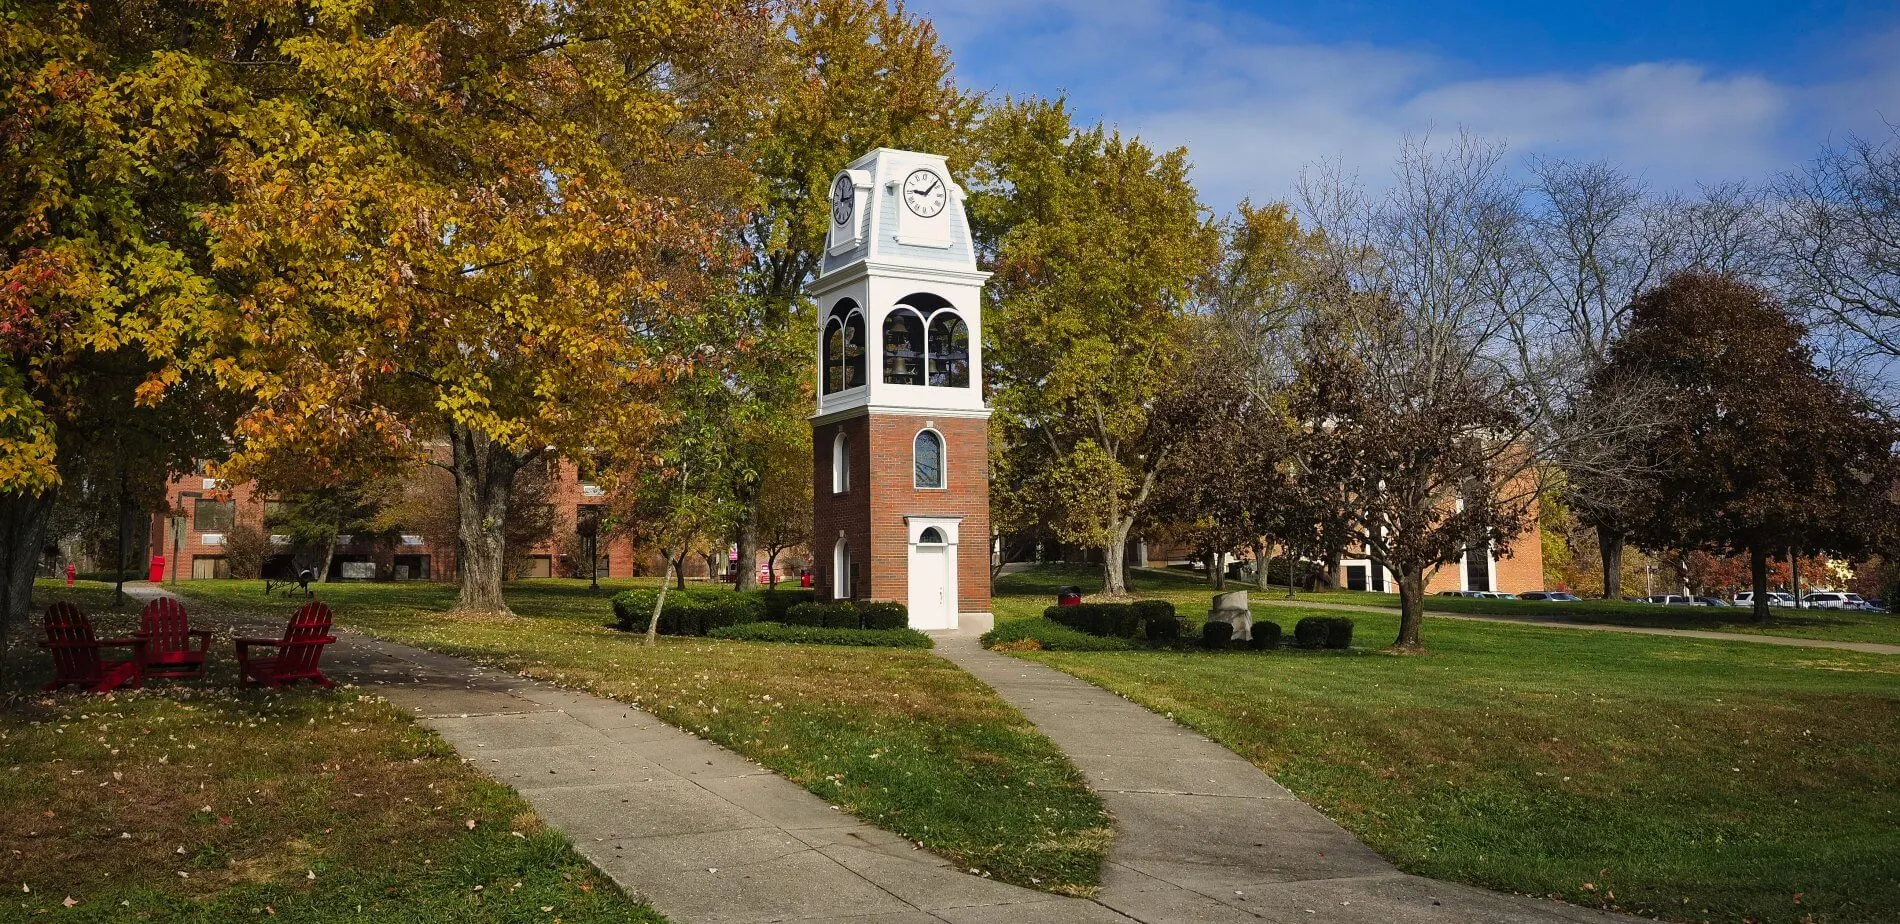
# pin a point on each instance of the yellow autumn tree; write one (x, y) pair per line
(468, 226)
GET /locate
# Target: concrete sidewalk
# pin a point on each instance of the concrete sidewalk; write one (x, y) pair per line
(704, 835)
(1201, 835)
(1863, 647)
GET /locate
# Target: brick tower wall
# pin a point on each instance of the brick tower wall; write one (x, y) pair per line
(883, 493)
(846, 514)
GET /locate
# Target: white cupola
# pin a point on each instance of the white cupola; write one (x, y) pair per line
(898, 293)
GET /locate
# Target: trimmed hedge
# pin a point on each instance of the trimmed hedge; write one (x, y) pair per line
(687, 612)
(1323, 632)
(1113, 620)
(884, 615)
(1049, 636)
(806, 614)
(1216, 634)
(1266, 636)
(814, 635)
(776, 602)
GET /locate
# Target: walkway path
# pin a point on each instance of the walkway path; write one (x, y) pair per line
(1202, 835)
(704, 835)
(1865, 647)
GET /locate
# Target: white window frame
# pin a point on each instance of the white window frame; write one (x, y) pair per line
(840, 463)
(943, 460)
(841, 569)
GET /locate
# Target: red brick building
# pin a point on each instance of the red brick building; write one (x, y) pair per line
(193, 537)
(900, 440)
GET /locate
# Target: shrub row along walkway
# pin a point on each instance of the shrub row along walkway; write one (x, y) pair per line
(1864, 647)
(1201, 835)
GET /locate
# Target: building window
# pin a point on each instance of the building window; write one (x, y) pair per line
(844, 347)
(209, 567)
(949, 351)
(841, 571)
(903, 348)
(840, 464)
(1478, 567)
(213, 516)
(275, 511)
(927, 454)
(930, 536)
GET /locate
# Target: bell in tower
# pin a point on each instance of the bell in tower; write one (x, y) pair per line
(901, 434)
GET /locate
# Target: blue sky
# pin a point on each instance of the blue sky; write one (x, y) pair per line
(1679, 92)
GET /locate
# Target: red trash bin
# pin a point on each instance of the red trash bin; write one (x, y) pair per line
(157, 574)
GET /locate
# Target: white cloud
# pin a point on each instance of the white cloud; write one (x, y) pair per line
(1254, 103)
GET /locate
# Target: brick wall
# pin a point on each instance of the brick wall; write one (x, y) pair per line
(883, 492)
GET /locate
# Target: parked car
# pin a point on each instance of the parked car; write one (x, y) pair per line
(1550, 596)
(1712, 601)
(1833, 600)
(1504, 596)
(1672, 600)
(1775, 598)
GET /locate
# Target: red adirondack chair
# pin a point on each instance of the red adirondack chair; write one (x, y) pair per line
(297, 651)
(169, 641)
(76, 660)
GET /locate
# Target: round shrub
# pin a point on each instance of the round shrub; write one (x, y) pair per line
(1338, 632)
(1266, 636)
(842, 615)
(805, 614)
(776, 602)
(885, 615)
(1216, 634)
(1310, 632)
(1162, 629)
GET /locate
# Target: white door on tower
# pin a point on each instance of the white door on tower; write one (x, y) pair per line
(933, 598)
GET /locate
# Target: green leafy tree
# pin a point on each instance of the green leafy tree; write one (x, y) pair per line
(1096, 242)
(103, 285)
(1763, 451)
(847, 76)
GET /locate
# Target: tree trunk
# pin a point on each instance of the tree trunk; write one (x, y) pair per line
(1758, 576)
(678, 564)
(1115, 559)
(484, 476)
(659, 602)
(1411, 610)
(1794, 577)
(748, 571)
(329, 557)
(23, 519)
(771, 567)
(118, 576)
(1611, 547)
(1216, 571)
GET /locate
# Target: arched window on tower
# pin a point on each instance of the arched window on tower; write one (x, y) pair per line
(843, 349)
(834, 355)
(949, 350)
(840, 464)
(930, 536)
(854, 350)
(927, 456)
(903, 347)
(841, 576)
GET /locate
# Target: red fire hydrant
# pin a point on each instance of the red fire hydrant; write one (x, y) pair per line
(71, 572)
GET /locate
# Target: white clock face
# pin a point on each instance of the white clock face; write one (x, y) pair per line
(925, 193)
(843, 198)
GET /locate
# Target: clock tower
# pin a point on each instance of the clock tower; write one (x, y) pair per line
(901, 501)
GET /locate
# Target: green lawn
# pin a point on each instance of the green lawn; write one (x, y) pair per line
(191, 801)
(900, 738)
(1191, 593)
(1689, 780)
